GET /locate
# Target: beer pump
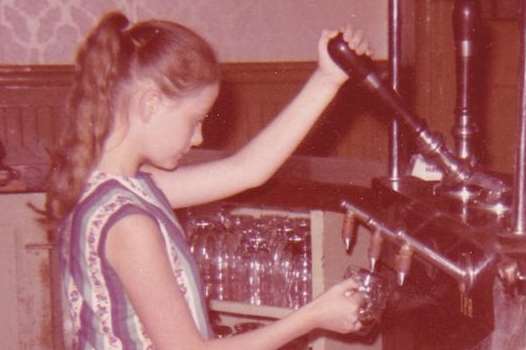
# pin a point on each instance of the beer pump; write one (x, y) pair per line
(468, 229)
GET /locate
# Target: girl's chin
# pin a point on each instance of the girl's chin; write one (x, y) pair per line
(166, 165)
(170, 165)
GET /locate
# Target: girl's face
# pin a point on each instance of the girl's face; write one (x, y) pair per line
(176, 125)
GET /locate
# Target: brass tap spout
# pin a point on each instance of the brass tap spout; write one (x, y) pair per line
(403, 263)
(375, 248)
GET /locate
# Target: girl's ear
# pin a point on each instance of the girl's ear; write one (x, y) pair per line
(148, 102)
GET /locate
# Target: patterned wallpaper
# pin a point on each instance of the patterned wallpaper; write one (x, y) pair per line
(48, 31)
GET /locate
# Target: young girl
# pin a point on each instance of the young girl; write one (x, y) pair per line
(139, 98)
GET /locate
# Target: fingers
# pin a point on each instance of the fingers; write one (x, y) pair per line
(354, 38)
(356, 299)
(356, 326)
(329, 34)
(354, 296)
(351, 323)
(330, 70)
(339, 307)
(356, 41)
(349, 283)
(351, 290)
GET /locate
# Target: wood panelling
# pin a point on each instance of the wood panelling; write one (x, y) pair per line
(434, 96)
(31, 101)
(500, 99)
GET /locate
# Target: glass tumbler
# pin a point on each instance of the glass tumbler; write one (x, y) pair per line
(376, 289)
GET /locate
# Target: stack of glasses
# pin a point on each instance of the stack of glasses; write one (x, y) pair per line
(258, 260)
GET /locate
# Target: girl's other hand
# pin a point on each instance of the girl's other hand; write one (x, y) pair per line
(356, 41)
(337, 309)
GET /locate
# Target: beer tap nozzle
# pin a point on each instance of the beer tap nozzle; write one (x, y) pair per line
(403, 263)
(348, 231)
(375, 248)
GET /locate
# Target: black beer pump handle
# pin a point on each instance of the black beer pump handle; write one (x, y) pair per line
(347, 59)
(361, 67)
(431, 144)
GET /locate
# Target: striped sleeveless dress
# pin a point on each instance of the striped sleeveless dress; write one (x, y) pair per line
(100, 315)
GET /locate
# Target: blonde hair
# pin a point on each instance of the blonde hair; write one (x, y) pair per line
(112, 57)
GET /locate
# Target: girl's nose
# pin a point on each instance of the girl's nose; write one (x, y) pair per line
(197, 137)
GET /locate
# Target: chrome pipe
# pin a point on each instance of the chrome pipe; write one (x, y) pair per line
(401, 238)
(395, 57)
(464, 269)
(465, 26)
(519, 193)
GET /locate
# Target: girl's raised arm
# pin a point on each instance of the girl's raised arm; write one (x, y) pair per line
(259, 159)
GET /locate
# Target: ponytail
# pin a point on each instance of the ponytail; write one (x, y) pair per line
(102, 61)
